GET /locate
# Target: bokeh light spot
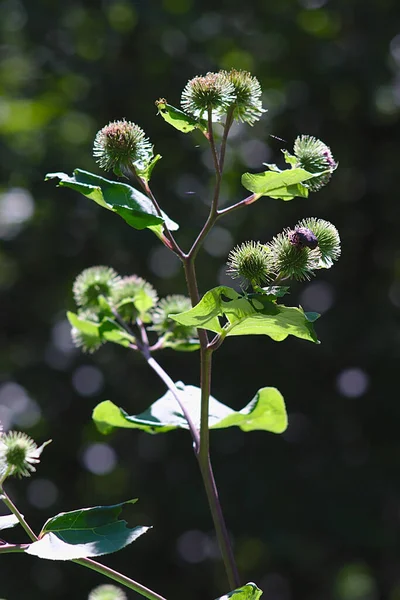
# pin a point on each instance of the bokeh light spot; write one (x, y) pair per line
(87, 380)
(352, 382)
(99, 459)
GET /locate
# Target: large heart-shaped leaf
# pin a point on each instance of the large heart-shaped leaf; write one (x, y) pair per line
(179, 119)
(266, 412)
(84, 533)
(285, 185)
(247, 592)
(7, 521)
(255, 314)
(130, 204)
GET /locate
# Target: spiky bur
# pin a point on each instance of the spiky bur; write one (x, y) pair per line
(18, 455)
(312, 244)
(250, 262)
(247, 104)
(121, 146)
(163, 324)
(93, 283)
(132, 296)
(83, 340)
(212, 91)
(314, 156)
(328, 239)
(291, 260)
(107, 591)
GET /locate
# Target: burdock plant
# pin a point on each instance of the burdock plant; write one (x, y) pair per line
(125, 309)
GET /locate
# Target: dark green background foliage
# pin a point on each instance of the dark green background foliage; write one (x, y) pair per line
(314, 512)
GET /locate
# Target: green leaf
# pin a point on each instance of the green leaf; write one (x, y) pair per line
(179, 119)
(86, 327)
(190, 345)
(247, 315)
(285, 185)
(110, 331)
(147, 172)
(8, 521)
(84, 533)
(130, 204)
(272, 292)
(266, 412)
(247, 592)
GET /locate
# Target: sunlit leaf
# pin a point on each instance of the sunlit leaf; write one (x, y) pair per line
(130, 204)
(266, 412)
(86, 327)
(8, 521)
(247, 315)
(247, 592)
(108, 330)
(179, 119)
(285, 185)
(84, 533)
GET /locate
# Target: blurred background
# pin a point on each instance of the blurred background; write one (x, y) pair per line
(314, 513)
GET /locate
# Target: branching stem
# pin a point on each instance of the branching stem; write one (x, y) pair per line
(84, 562)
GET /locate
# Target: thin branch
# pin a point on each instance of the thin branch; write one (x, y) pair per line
(11, 506)
(177, 395)
(172, 244)
(119, 578)
(241, 204)
(85, 562)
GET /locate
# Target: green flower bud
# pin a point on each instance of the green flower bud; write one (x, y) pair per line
(86, 342)
(121, 146)
(163, 324)
(107, 591)
(133, 296)
(18, 454)
(314, 156)
(92, 283)
(247, 103)
(251, 262)
(291, 260)
(212, 91)
(328, 239)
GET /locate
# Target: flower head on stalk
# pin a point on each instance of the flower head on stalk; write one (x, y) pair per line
(162, 322)
(213, 91)
(107, 591)
(121, 146)
(247, 104)
(251, 262)
(314, 156)
(18, 454)
(92, 283)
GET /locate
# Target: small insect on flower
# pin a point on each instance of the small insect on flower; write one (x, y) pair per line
(302, 237)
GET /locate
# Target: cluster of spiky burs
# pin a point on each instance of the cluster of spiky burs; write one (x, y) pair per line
(122, 147)
(100, 292)
(293, 254)
(18, 454)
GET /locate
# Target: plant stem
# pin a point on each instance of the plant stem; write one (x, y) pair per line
(85, 562)
(176, 393)
(119, 578)
(11, 506)
(249, 200)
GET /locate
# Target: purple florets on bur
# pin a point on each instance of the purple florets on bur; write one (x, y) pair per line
(302, 237)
